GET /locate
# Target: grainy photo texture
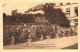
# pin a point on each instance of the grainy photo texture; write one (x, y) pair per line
(40, 25)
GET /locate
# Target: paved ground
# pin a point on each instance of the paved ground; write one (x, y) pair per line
(57, 43)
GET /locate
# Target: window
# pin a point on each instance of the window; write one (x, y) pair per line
(76, 20)
(61, 4)
(76, 11)
(68, 3)
(68, 12)
(76, 23)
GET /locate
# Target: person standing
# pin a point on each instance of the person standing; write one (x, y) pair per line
(17, 34)
(11, 37)
(12, 40)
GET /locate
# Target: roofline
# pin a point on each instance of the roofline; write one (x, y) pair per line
(66, 4)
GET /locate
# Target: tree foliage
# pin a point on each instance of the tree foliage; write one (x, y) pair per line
(4, 15)
(18, 18)
(55, 16)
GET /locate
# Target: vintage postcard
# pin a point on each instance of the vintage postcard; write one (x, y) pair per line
(40, 25)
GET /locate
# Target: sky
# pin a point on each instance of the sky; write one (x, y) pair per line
(24, 5)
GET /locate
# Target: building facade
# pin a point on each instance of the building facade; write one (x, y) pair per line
(70, 10)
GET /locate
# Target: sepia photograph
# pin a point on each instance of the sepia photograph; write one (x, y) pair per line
(40, 25)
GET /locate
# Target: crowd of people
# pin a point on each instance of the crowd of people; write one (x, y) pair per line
(40, 32)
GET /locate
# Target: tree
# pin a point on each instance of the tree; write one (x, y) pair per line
(28, 18)
(55, 16)
(4, 15)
